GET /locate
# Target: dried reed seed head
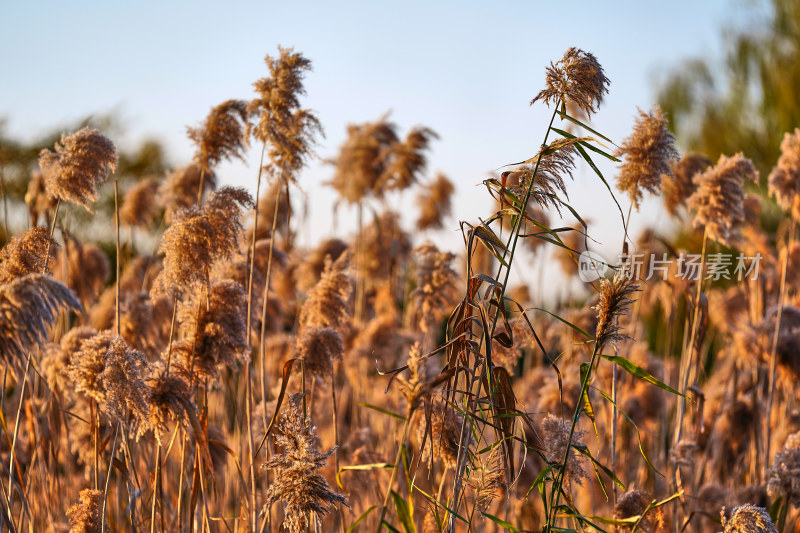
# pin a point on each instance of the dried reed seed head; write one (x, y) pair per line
(385, 246)
(86, 516)
(555, 432)
(678, 185)
(407, 160)
(319, 348)
(179, 190)
(38, 200)
(88, 268)
(442, 424)
(29, 306)
(313, 265)
(169, 400)
(647, 155)
(219, 331)
(26, 254)
(297, 461)
(615, 300)
(435, 203)
(634, 503)
(784, 180)
(719, 197)
(362, 159)
(139, 207)
(684, 453)
(80, 164)
(199, 237)
(578, 79)
(436, 285)
(415, 388)
(551, 165)
(221, 136)
(327, 305)
(486, 478)
(752, 210)
(747, 519)
(288, 131)
(784, 476)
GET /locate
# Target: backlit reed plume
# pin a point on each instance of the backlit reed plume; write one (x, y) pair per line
(139, 207)
(314, 263)
(57, 357)
(288, 131)
(199, 237)
(86, 516)
(80, 164)
(784, 180)
(615, 299)
(363, 159)
(416, 388)
(87, 267)
(436, 285)
(678, 185)
(634, 503)
(221, 135)
(179, 190)
(647, 155)
(109, 372)
(442, 424)
(555, 436)
(217, 333)
(169, 401)
(296, 462)
(719, 198)
(486, 479)
(555, 162)
(327, 305)
(25, 254)
(38, 200)
(435, 203)
(747, 519)
(29, 306)
(784, 477)
(576, 78)
(407, 160)
(385, 245)
(319, 348)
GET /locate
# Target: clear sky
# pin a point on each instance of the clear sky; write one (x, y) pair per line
(466, 69)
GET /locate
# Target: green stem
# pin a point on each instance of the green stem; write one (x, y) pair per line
(397, 460)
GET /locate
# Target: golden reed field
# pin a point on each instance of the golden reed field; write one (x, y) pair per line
(192, 368)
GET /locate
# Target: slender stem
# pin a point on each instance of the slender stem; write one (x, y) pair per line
(171, 333)
(155, 491)
(774, 348)
(50, 240)
(253, 244)
(263, 334)
(397, 460)
(200, 187)
(14, 439)
(119, 255)
(108, 480)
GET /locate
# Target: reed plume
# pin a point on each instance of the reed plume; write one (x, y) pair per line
(25, 254)
(298, 483)
(221, 136)
(169, 400)
(319, 348)
(199, 237)
(555, 436)
(678, 185)
(719, 198)
(407, 160)
(327, 305)
(784, 180)
(784, 477)
(553, 162)
(80, 164)
(86, 516)
(139, 208)
(179, 190)
(436, 285)
(442, 425)
(634, 503)
(435, 203)
(29, 306)
(286, 130)
(647, 155)
(577, 79)
(38, 200)
(747, 519)
(615, 299)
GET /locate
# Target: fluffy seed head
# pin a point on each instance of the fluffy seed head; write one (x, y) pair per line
(25, 255)
(555, 432)
(647, 155)
(319, 348)
(435, 204)
(80, 164)
(784, 180)
(719, 197)
(634, 503)
(576, 78)
(221, 136)
(615, 299)
(327, 304)
(784, 477)
(678, 185)
(86, 516)
(139, 206)
(747, 519)
(180, 188)
(555, 161)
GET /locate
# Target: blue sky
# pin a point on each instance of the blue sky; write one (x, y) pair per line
(465, 69)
